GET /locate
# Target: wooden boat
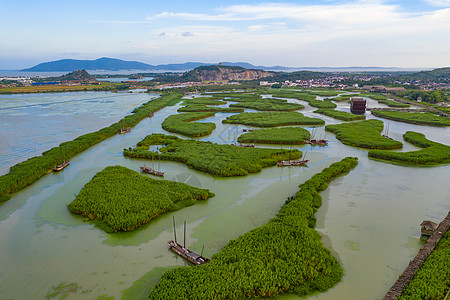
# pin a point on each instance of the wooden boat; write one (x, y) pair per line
(151, 114)
(284, 163)
(124, 130)
(314, 142)
(61, 166)
(149, 170)
(187, 254)
(241, 145)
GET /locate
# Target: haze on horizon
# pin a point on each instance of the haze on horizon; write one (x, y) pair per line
(324, 33)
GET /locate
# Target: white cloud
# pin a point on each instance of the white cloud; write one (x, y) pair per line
(442, 3)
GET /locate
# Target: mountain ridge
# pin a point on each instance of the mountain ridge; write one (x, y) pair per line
(113, 64)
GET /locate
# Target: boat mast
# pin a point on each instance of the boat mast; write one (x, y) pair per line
(184, 240)
(174, 230)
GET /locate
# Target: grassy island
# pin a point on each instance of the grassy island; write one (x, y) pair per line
(205, 108)
(287, 135)
(417, 118)
(285, 255)
(267, 104)
(392, 103)
(181, 123)
(272, 119)
(27, 172)
(120, 199)
(364, 134)
(340, 115)
(311, 99)
(221, 160)
(432, 154)
(432, 281)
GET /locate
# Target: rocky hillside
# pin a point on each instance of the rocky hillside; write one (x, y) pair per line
(224, 73)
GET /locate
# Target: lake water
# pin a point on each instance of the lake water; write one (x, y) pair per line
(34, 123)
(369, 218)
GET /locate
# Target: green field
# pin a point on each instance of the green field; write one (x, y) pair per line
(432, 281)
(364, 134)
(272, 119)
(286, 135)
(417, 118)
(221, 160)
(285, 255)
(340, 115)
(183, 124)
(120, 199)
(432, 154)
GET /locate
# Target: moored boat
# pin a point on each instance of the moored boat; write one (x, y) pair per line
(124, 130)
(241, 145)
(151, 171)
(61, 166)
(284, 163)
(187, 254)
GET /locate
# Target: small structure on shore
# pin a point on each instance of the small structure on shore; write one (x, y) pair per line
(428, 227)
(357, 105)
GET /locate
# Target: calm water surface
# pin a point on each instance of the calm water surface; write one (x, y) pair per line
(369, 218)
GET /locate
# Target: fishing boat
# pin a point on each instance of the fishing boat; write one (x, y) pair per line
(299, 162)
(184, 252)
(315, 142)
(124, 129)
(241, 145)
(61, 166)
(149, 170)
(152, 170)
(151, 114)
(248, 130)
(187, 254)
(386, 133)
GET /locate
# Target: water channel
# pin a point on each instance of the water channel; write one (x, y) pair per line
(369, 218)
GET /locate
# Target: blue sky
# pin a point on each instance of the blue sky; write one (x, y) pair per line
(290, 33)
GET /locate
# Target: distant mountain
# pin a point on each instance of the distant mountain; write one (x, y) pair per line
(104, 63)
(441, 74)
(112, 64)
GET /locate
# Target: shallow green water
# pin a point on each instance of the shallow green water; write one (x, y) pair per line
(370, 218)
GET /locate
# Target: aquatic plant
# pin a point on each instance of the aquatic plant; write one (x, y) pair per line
(286, 135)
(268, 104)
(392, 103)
(27, 172)
(340, 115)
(272, 119)
(284, 255)
(205, 108)
(418, 118)
(120, 199)
(432, 280)
(364, 134)
(432, 154)
(182, 124)
(221, 160)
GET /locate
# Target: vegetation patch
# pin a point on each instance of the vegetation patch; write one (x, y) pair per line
(221, 160)
(417, 118)
(340, 115)
(120, 199)
(182, 124)
(365, 134)
(284, 255)
(272, 119)
(432, 154)
(25, 173)
(392, 103)
(432, 280)
(205, 108)
(268, 104)
(287, 135)
(310, 98)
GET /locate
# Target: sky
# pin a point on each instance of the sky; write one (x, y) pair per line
(322, 33)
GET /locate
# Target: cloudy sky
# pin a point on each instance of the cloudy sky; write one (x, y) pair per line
(394, 33)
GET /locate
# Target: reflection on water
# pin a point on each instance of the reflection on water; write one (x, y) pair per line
(369, 218)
